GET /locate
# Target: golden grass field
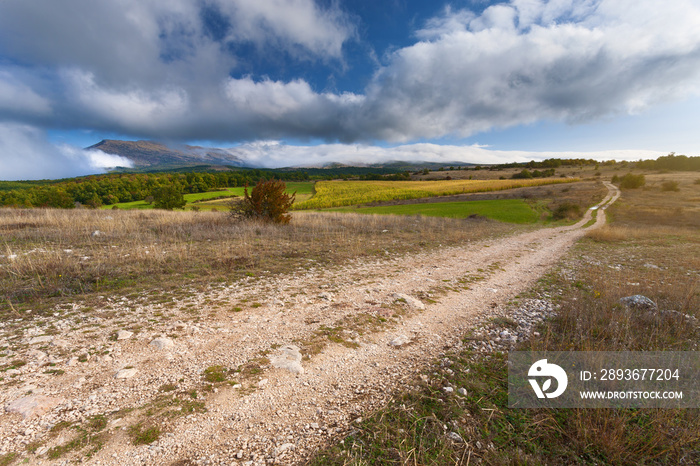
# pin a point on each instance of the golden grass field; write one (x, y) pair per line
(344, 193)
(51, 255)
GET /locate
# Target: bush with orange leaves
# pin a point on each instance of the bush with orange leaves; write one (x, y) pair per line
(268, 201)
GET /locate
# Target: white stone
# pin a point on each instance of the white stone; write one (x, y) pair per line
(289, 358)
(163, 343)
(126, 373)
(400, 340)
(33, 405)
(282, 448)
(124, 334)
(38, 355)
(42, 339)
(59, 343)
(410, 301)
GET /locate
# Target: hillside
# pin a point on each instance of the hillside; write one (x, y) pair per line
(154, 154)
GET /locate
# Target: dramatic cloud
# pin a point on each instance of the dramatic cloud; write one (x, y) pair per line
(172, 69)
(532, 60)
(25, 154)
(275, 154)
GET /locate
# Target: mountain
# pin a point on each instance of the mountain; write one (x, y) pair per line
(156, 156)
(148, 154)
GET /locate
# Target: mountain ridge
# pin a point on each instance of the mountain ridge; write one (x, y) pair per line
(154, 155)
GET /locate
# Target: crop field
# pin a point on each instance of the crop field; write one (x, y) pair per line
(504, 210)
(217, 199)
(344, 193)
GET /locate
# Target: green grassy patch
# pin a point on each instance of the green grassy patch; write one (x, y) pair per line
(504, 210)
(141, 435)
(303, 189)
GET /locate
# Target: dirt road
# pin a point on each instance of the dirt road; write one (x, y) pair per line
(365, 329)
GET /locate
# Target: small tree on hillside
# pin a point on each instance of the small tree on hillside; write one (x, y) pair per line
(266, 201)
(169, 197)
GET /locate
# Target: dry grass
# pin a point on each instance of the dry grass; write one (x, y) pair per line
(651, 206)
(47, 255)
(631, 256)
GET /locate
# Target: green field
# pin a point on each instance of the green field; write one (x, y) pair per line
(346, 193)
(212, 199)
(504, 210)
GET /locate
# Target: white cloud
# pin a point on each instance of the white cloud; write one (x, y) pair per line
(300, 22)
(472, 74)
(26, 154)
(275, 154)
(162, 69)
(131, 108)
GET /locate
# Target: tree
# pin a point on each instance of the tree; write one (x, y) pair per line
(268, 200)
(169, 197)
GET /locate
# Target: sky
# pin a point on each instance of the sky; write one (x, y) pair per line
(289, 82)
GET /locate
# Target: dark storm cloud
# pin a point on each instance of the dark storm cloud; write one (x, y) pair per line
(165, 69)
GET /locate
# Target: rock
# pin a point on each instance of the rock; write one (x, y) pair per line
(42, 450)
(455, 437)
(34, 405)
(163, 343)
(289, 358)
(42, 339)
(448, 389)
(651, 266)
(282, 448)
(96, 233)
(325, 295)
(639, 302)
(126, 373)
(124, 334)
(409, 300)
(59, 343)
(400, 340)
(262, 383)
(37, 355)
(462, 391)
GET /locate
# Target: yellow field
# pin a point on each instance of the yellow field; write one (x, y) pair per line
(344, 193)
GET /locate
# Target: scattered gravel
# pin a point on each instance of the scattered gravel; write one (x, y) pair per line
(104, 360)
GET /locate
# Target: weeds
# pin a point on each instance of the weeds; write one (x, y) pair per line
(141, 435)
(57, 258)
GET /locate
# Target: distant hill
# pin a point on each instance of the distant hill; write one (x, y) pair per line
(149, 154)
(155, 156)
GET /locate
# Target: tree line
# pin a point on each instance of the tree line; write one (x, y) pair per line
(98, 190)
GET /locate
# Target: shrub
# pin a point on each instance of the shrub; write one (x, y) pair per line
(670, 186)
(266, 201)
(567, 210)
(523, 175)
(630, 181)
(169, 197)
